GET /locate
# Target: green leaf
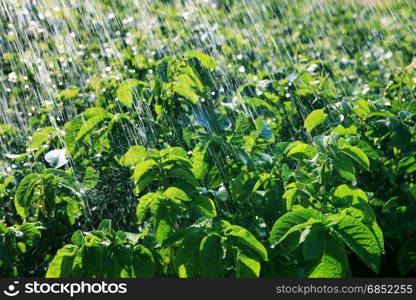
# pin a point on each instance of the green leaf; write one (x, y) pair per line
(247, 267)
(199, 167)
(301, 151)
(355, 153)
(69, 93)
(206, 206)
(341, 130)
(187, 256)
(133, 156)
(95, 112)
(143, 262)
(125, 91)
(88, 126)
(315, 118)
(344, 167)
(24, 193)
(205, 60)
(183, 174)
(362, 109)
(145, 180)
(72, 210)
(353, 194)
(77, 238)
(360, 239)
(176, 193)
(183, 89)
(211, 252)
(105, 226)
(328, 252)
(90, 178)
(65, 180)
(162, 211)
(144, 204)
(142, 168)
(291, 222)
(42, 136)
(246, 238)
(289, 196)
(71, 130)
(61, 265)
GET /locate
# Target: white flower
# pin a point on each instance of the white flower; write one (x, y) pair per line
(56, 158)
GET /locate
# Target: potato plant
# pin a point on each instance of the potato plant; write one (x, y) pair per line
(226, 159)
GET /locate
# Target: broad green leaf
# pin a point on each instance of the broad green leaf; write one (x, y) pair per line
(328, 253)
(88, 126)
(77, 238)
(289, 196)
(301, 151)
(176, 193)
(145, 180)
(125, 91)
(142, 168)
(143, 262)
(71, 130)
(353, 193)
(206, 206)
(105, 226)
(210, 253)
(199, 167)
(360, 239)
(183, 174)
(122, 259)
(184, 90)
(344, 167)
(315, 118)
(362, 109)
(357, 205)
(72, 210)
(341, 130)
(406, 257)
(187, 256)
(291, 222)
(96, 112)
(174, 152)
(40, 137)
(247, 267)
(24, 193)
(65, 180)
(144, 204)
(246, 238)
(205, 60)
(162, 212)
(355, 153)
(61, 265)
(90, 178)
(178, 161)
(69, 93)
(133, 156)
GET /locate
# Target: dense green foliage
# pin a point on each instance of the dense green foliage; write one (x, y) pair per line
(295, 156)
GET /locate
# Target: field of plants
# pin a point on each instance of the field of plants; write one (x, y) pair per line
(207, 138)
